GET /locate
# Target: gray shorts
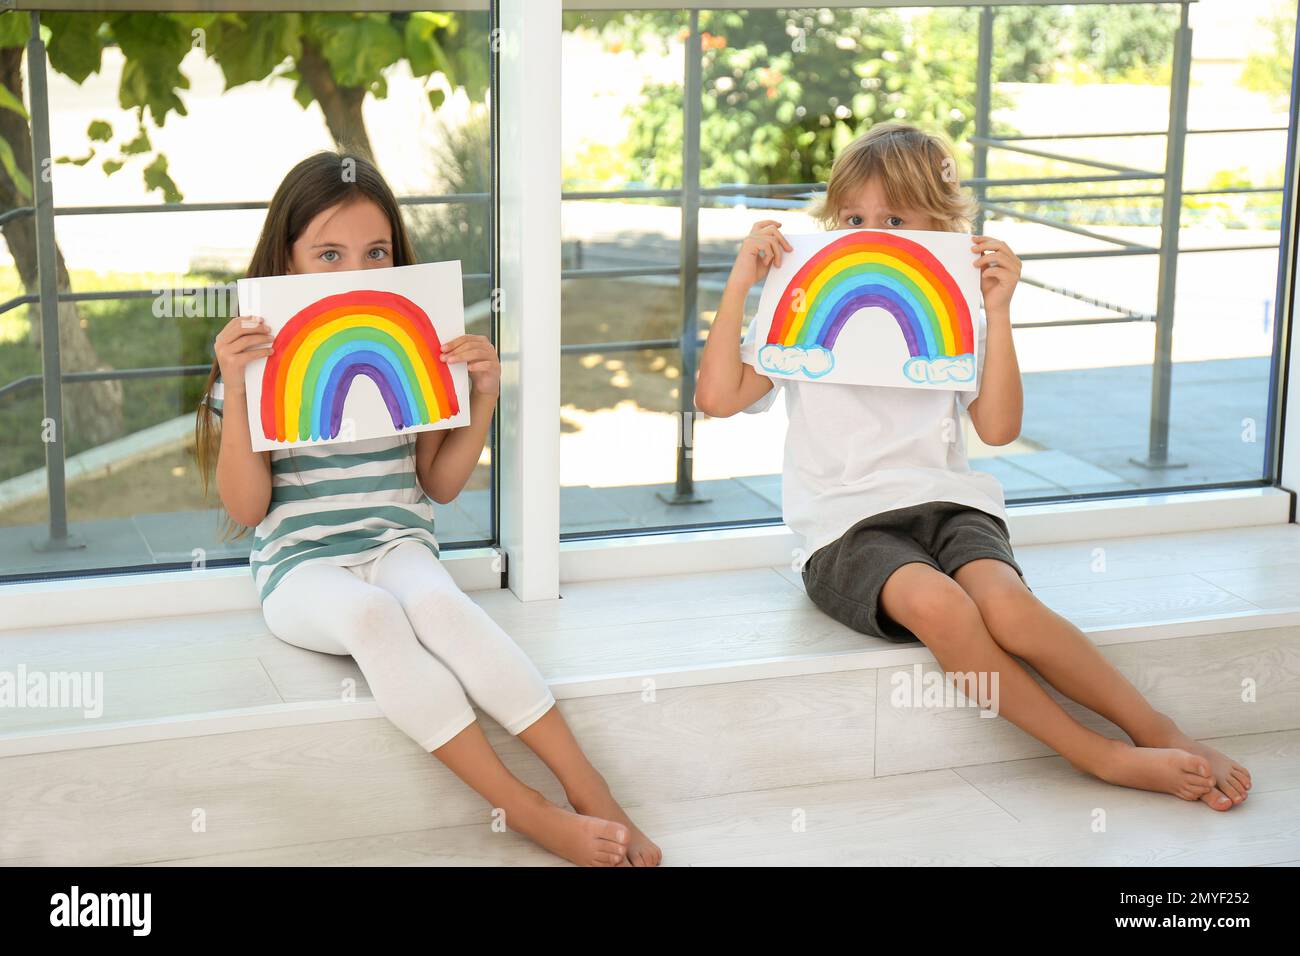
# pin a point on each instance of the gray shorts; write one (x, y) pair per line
(845, 577)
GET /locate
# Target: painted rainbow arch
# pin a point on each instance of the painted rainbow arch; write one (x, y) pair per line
(320, 352)
(874, 269)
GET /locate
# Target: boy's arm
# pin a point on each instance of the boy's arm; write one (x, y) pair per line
(996, 412)
(726, 384)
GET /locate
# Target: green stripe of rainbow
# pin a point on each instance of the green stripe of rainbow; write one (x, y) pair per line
(320, 351)
(869, 268)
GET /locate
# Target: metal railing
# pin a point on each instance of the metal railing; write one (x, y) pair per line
(690, 196)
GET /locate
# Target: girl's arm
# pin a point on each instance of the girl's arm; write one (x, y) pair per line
(996, 413)
(243, 475)
(727, 385)
(444, 460)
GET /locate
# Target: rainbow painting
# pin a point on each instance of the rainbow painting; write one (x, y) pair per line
(306, 388)
(845, 277)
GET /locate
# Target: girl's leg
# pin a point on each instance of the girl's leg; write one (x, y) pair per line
(327, 608)
(1058, 650)
(578, 837)
(934, 607)
(501, 679)
(552, 740)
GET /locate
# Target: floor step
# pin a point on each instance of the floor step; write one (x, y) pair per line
(218, 741)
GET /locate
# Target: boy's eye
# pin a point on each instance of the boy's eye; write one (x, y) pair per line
(855, 220)
(895, 224)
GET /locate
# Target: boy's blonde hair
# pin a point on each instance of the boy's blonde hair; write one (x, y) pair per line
(916, 170)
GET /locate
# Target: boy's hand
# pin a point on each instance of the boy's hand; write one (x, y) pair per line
(999, 271)
(758, 251)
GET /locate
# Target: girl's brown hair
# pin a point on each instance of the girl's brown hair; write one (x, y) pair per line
(916, 170)
(320, 182)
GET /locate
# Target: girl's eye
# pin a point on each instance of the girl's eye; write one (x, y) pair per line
(378, 253)
(329, 252)
(855, 220)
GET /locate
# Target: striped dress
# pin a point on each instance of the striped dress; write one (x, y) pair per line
(341, 503)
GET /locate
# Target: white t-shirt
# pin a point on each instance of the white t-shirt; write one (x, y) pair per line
(853, 451)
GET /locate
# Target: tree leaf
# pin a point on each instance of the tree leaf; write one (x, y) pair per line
(153, 46)
(140, 144)
(359, 48)
(75, 45)
(155, 177)
(15, 29)
(21, 182)
(249, 46)
(10, 102)
(423, 51)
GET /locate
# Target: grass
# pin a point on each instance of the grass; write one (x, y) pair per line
(124, 334)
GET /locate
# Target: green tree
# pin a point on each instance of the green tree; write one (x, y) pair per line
(1028, 43)
(1130, 43)
(337, 59)
(1269, 70)
(783, 90)
(333, 59)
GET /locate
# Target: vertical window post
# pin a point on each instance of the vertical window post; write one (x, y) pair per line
(528, 34)
(52, 431)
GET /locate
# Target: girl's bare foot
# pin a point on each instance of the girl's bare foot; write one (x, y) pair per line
(1231, 779)
(594, 798)
(1184, 774)
(581, 839)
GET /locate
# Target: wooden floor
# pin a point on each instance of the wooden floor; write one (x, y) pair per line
(1036, 810)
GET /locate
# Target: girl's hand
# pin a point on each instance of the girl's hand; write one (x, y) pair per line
(245, 338)
(484, 366)
(999, 271)
(758, 252)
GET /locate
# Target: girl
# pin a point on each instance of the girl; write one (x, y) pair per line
(905, 541)
(344, 555)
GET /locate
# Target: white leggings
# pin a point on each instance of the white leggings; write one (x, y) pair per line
(413, 632)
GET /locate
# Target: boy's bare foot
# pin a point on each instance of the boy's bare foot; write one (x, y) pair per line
(1184, 774)
(594, 798)
(584, 840)
(1231, 779)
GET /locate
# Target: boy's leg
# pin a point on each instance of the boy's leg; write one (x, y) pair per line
(937, 610)
(1070, 662)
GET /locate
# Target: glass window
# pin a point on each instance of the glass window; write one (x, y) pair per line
(190, 121)
(1061, 131)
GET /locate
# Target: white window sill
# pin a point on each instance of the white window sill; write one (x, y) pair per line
(155, 594)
